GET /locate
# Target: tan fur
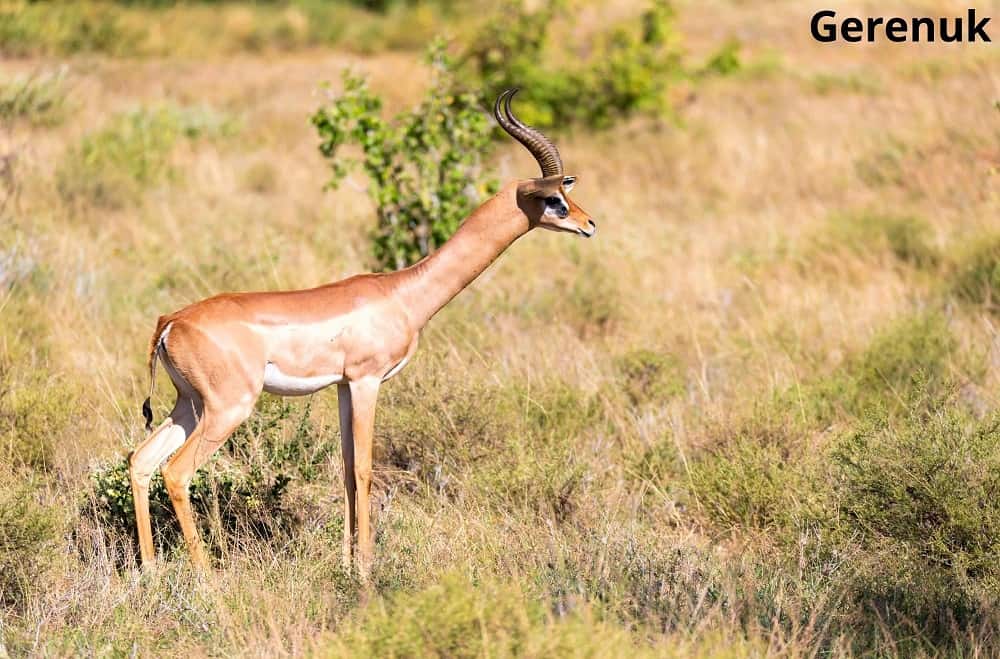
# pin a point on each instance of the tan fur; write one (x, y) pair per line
(360, 328)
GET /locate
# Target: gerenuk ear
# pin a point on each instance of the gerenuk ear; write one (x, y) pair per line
(568, 182)
(540, 187)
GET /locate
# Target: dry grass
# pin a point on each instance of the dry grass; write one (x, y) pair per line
(516, 450)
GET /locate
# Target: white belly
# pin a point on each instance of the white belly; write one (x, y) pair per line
(276, 382)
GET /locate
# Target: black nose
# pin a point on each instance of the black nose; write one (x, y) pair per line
(593, 225)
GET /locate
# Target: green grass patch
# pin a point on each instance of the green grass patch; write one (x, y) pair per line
(910, 353)
(767, 473)
(976, 277)
(39, 99)
(112, 166)
(29, 28)
(826, 84)
(199, 28)
(459, 618)
(649, 377)
(908, 238)
(28, 542)
(510, 447)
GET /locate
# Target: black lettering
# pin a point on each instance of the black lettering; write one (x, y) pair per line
(927, 23)
(895, 29)
(829, 30)
(954, 36)
(977, 29)
(873, 23)
(852, 25)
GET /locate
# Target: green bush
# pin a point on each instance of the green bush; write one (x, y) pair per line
(976, 279)
(28, 538)
(765, 477)
(39, 99)
(920, 494)
(625, 72)
(423, 166)
(246, 495)
(111, 167)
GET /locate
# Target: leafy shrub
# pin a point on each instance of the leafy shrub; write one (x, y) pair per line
(977, 274)
(625, 72)
(27, 543)
(757, 481)
(243, 502)
(921, 494)
(39, 99)
(764, 476)
(423, 166)
(245, 496)
(111, 166)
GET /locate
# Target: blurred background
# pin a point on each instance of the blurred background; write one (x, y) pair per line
(754, 416)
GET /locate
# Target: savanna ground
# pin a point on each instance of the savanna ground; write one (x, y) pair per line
(755, 416)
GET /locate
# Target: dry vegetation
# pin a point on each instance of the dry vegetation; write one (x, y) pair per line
(756, 416)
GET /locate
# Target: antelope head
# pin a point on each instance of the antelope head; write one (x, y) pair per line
(544, 200)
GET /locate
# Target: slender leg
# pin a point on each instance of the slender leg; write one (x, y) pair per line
(363, 396)
(217, 423)
(146, 458)
(350, 486)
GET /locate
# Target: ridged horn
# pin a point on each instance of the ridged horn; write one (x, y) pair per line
(541, 147)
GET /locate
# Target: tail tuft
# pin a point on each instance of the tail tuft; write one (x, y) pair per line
(147, 413)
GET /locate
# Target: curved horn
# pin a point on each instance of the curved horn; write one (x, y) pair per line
(541, 147)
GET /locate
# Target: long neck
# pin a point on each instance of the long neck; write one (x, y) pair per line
(430, 284)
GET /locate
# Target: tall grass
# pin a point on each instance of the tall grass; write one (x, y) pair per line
(755, 416)
(40, 98)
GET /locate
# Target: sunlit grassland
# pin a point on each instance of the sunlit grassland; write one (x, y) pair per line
(697, 434)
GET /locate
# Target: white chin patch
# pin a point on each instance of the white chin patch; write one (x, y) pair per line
(277, 382)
